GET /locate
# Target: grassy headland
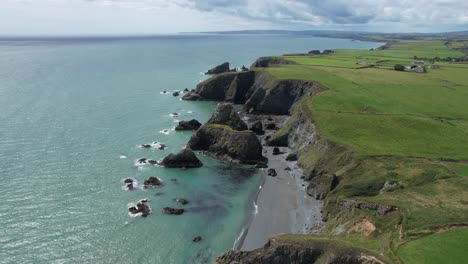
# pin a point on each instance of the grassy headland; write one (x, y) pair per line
(405, 136)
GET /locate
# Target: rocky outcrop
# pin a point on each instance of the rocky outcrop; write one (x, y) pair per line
(226, 115)
(223, 142)
(257, 127)
(270, 61)
(229, 87)
(188, 125)
(141, 208)
(352, 204)
(321, 185)
(280, 251)
(277, 97)
(184, 159)
(152, 182)
(224, 67)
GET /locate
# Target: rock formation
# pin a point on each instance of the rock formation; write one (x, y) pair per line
(184, 159)
(226, 115)
(224, 67)
(188, 125)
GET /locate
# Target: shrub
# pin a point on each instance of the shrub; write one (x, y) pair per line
(399, 67)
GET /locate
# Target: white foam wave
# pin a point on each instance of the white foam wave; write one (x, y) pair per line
(121, 156)
(164, 131)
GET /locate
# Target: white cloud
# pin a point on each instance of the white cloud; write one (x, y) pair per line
(51, 17)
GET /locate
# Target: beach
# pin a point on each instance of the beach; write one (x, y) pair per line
(283, 205)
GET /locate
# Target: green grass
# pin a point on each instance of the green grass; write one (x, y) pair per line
(447, 247)
(377, 111)
(383, 126)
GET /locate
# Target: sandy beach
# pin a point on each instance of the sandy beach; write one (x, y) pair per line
(283, 205)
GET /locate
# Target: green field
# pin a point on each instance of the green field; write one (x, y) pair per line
(448, 247)
(406, 129)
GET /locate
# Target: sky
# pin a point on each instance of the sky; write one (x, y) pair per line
(142, 17)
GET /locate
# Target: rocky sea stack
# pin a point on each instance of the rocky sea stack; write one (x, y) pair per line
(184, 159)
(224, 67)
(188, 125)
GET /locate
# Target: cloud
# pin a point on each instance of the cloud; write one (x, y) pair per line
(163, 16)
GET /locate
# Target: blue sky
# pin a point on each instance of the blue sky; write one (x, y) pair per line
(123, 17)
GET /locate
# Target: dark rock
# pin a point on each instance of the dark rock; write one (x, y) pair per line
(162, 147)
(186, 90)
(128, 180)
(152, 162)
(175, 114)
(272, 172)
(130, 186)
(197, 239)
(230, 87)
(287, 169)
(291, 157)
(277, 151)
(142, 208)
(188, 125)
(175, 94)
(257, 127)
(261, 165)
(145, 146)
(181, 201)
(244, 69)
(142, 160)
(173, 211)
(271, 126)
(144, 200)
(184, 159)
(226, 115)
(225, 143)
(219, 69)
(152, 182)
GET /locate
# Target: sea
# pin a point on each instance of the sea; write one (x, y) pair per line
(73, 112)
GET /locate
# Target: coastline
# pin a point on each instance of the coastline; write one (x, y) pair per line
(283, 206)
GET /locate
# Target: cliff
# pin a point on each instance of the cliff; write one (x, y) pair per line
(301, 249)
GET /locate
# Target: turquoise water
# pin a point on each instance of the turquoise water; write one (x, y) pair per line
(70, 109)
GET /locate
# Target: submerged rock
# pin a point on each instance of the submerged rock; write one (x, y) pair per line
(188, 125)
(197, 239)
(181, 201)
(173, 211)
(184, 159)
(145, 146)
(224, 67)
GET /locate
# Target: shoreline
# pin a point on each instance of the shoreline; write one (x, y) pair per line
(283, 206)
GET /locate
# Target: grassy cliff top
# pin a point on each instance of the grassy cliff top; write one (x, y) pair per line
(375, 110)
(407, 131)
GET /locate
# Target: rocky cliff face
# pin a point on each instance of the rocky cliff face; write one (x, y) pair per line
(280, 251)
(229, 87)
(226, 115)
(224, 143)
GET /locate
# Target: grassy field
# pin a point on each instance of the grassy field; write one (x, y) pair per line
(448, 247)
(406, 130)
